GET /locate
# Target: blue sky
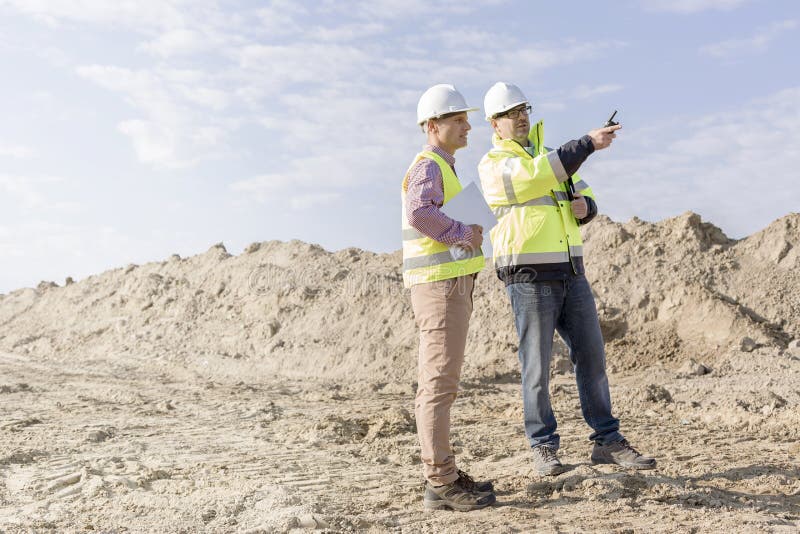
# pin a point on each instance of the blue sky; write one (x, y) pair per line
(134, 130)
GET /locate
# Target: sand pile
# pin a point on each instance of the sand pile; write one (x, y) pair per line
(665, 291)
(273, 392)
(682, 288)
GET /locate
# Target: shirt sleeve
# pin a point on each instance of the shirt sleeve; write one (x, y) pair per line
(424, 198)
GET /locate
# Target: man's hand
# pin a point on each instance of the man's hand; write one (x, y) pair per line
(602, 137)
(477, 236)
(580, 208)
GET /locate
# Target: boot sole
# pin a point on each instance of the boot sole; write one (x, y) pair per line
(551, 472)
(639, 467)
(444, 505)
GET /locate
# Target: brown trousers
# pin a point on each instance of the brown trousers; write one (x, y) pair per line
(442, 310)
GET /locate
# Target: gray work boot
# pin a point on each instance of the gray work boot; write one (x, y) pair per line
(454, 497)
(470, 484)
(621, 453)
(546, 462)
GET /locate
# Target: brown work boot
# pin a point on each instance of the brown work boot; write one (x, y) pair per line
(470, 484)
(621, 453)
(454, 497)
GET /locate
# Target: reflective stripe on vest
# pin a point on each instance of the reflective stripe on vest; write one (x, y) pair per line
(425, 259)
(435, 259)
(529, 258)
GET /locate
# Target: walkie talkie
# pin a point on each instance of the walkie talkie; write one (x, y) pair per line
(610, 121)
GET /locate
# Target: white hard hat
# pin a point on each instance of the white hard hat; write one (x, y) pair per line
(440, 100)
(501, 97)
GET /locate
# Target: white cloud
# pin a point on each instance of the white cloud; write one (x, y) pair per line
(263, 57)
(302, 70)
(393, 10)
(756, 43)
(142, 13)
(26, 192)
(263, 187)
(731, 167)
(16, 151)
(21, 190)
(691, 6)
(554, 102)
(153, 143)
(297, 192)
(583, 92)
(280, 18)
(175, 133)
(214, 99)
(348, 32)
(180, 41)
(313, 200)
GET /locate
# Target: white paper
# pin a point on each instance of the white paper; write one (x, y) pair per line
(469, 207)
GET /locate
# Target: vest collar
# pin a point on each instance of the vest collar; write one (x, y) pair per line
(535, 137)
(449, 158)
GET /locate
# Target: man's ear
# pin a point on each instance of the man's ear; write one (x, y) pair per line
(493, 122)
(432, 127)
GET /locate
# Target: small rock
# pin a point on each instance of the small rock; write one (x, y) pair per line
(794, 348)
(273, 326)
(391, 422)
(208, 515)
(252, 247)
(69, 281)
(98, 436)
(310, 521)
(656, 393)
(693, 368)
(340, 275)
(562, 366)
(774, 401)
(747, 344)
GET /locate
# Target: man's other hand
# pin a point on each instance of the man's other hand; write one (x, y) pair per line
(477, 236)
(602, 137)
(580, 208)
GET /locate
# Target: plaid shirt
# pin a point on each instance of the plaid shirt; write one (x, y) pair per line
(424, 197)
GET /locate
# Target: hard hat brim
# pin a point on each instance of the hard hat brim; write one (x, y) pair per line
(448, 112)
(506, 108)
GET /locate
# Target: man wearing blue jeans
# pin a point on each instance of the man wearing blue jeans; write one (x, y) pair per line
(538, 254)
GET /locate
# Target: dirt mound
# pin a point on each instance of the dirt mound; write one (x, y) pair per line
(665, 291)
(682, 287)
(778, 244)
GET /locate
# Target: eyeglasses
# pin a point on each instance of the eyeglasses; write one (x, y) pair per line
(515, 113)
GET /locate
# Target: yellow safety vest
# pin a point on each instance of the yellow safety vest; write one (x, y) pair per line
(425, 259)
(528, 194)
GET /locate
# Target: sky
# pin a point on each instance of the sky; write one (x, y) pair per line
(133, 130)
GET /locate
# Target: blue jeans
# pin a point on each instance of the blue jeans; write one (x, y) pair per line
(566, 306)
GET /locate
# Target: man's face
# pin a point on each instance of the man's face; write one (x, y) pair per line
(514, 128)
(451, 131)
